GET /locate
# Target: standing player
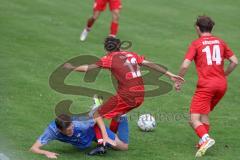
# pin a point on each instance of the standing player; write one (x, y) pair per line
(209, 53)
(99, 6)
(125, 67)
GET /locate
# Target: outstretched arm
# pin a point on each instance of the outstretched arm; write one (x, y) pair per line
(82, 68)
(158, 68)
(36, 148)
(233, 64)
(102, 127)
(184, 67)
(183, 70)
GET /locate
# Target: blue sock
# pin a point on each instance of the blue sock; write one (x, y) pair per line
(123, 131)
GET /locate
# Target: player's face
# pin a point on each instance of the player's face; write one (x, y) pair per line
(68, 131)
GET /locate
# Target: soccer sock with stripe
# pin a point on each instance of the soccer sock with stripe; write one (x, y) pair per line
(202, 133)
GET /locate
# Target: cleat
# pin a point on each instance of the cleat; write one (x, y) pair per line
(84, 34)
(97, 100)
(204, 147)
(99, 150)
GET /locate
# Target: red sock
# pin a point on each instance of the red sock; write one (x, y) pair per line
(98, 134)
(90, 23)
(114, 125)
(114, 29)
(201, 130)
(207, 126)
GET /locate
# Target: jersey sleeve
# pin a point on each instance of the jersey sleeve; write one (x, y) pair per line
(104, 62)
(191, 52)
(139, 58)
(47, 136)
(227, 51)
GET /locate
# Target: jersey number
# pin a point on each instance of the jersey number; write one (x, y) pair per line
(130, 63)
(215, 56)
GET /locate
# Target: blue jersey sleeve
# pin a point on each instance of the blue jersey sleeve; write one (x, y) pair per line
(47, 136)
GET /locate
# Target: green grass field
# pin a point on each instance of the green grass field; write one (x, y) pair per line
(39, 35)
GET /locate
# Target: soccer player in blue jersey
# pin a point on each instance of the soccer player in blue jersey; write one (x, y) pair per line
(79, 132)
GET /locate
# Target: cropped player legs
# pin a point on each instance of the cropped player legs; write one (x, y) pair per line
(91, 20)
(114, 23)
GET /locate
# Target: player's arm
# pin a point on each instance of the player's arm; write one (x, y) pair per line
(184, 67)
(183, 70)
(158, 68)
(36, 148)
(232, 65)
(82, 68)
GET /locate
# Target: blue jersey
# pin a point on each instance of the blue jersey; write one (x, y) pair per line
(82, 137)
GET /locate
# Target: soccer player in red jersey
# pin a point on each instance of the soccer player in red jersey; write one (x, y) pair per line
(125, 67)
(99, 6)
(209, 53)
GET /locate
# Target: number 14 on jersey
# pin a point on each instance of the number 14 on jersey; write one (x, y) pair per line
(214, 55)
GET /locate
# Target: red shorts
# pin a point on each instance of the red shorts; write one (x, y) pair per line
(100, 5)
(205, 99)
(116, 106)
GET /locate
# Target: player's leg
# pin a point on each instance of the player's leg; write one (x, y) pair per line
(122, 139)
(115, 23)
(114, 124)
(115, 7)
(98, 7)
(200, 106)
(205, 121)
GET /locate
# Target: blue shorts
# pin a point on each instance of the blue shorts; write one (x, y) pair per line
(110, 133)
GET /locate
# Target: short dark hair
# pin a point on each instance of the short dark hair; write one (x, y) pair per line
(63, 121)
(205, 23)
(112, 44)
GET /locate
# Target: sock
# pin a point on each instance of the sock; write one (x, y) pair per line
(207, 126)
(90, 23)
(123, 131)
(201, 131)
(98, 134)
(205, 137)
(114, 29)
(114, 125)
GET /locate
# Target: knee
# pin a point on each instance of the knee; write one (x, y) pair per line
(115, 16)
(95, 15)
(191, 122)
(125, 147)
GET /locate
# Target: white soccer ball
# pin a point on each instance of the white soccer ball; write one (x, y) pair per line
(146, 122)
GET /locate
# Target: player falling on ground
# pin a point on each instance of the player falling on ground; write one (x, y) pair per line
(125, 67)
(209, 53)
(80, 133)
(100, 6)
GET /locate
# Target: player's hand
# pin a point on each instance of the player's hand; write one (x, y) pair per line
(51, 155)
(68, 66)
(106, 140)
(178, 86)
(176, 78)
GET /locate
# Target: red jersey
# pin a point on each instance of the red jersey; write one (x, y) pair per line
(125, 68)
(209, 53)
